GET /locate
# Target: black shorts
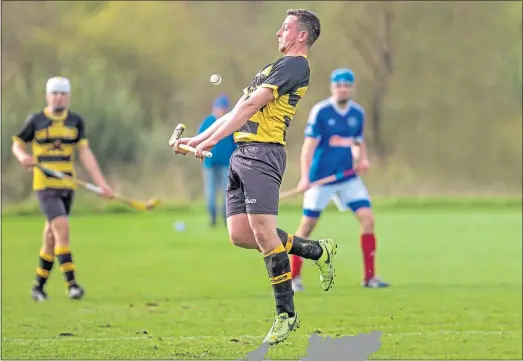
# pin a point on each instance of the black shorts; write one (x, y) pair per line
(255, 175)
(55, 202)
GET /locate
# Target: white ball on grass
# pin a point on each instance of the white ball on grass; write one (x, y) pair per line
(179, 226)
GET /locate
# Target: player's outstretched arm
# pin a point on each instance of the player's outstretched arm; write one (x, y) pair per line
(243, 112)
(203, 136)
(88, 160)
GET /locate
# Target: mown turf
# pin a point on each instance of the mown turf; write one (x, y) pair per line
(155, 293)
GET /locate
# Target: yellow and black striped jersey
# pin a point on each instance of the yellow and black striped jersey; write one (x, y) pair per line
(288, 77)
(53, 141)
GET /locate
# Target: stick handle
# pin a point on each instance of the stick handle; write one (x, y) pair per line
(89, 186)
(193, 150)
(178, 131)
(331, 178)
(290, 193)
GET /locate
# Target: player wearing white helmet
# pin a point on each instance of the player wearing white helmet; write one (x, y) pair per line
(54, 134)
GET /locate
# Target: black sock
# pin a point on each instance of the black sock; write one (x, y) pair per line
(44, 268)
(65, 259)
(279, 270)
(300, 247)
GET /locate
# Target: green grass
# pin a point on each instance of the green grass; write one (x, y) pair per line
(158, 294)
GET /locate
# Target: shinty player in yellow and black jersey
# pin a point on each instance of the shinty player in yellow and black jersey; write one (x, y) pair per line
(288, 78)
(259, 122)
(54, 134)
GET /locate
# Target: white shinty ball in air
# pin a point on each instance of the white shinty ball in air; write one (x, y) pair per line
(216, 79)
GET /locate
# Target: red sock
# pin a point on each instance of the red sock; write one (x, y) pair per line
(296, 263)
(368, 247)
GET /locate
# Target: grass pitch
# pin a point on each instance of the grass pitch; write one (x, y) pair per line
(156, 293)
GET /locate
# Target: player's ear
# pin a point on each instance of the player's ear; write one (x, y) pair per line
(302, 38)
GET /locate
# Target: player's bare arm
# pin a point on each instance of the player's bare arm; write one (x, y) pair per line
(363, 157)
(19, 151)
(307, 151)
(20, 140)
(196, 140)
(239, 116)
(88, 160)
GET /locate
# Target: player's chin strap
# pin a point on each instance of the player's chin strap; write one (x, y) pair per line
(295, 191)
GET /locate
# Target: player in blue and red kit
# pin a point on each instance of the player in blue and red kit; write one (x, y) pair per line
(334, 128)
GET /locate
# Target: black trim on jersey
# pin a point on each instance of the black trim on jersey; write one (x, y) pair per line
(250, 127)
(294, 99)
(53, 140)
(54, 158)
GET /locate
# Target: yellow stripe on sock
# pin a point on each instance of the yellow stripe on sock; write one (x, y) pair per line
(42, 272)
(288, 245)
(279, 249)
(47, 257)
(281, 278)
(69, 266)
(62, 250)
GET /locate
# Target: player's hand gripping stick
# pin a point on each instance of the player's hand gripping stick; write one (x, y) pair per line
(178, 131)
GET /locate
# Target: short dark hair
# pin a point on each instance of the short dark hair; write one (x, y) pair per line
(308, 22)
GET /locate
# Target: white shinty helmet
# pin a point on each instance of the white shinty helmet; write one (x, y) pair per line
(58, 84)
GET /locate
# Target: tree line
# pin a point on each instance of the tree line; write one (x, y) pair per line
(441, 84)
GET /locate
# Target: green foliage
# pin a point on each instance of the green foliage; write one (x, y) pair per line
(112, 113)
(451, 109)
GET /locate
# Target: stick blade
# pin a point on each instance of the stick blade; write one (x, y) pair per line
(139, 206)
(145, 206)
(153, 203)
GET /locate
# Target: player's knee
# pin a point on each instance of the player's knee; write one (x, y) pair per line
(241, 235)
(368, 224)
(60, 228)
(264, 231)
(260, 234)
(48, 230)
(366, 218)
(238, 239)
(48, 237)
(263, 236)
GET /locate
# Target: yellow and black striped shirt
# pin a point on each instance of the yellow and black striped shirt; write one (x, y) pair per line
(288, 77)
(53, 141)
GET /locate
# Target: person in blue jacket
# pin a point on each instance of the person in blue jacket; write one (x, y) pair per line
(216, 168)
